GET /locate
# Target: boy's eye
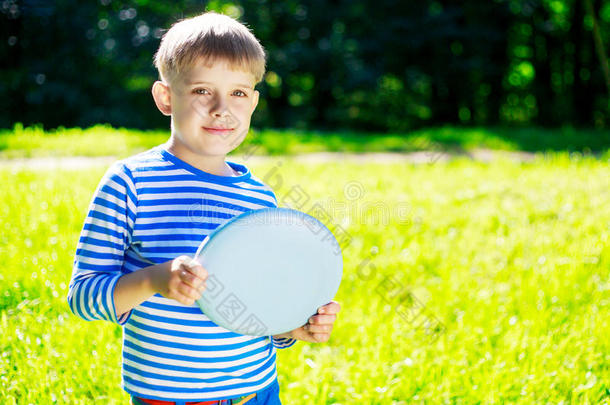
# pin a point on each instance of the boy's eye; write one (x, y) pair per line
(238, 93)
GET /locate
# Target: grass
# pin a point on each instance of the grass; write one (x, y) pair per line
(103, 140)
(511, 258)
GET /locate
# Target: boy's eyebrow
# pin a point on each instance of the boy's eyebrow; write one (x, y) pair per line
(234, 84)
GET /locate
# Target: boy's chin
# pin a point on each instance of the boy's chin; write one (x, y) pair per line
(209, 151)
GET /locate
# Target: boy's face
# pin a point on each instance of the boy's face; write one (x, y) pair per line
(210, 108)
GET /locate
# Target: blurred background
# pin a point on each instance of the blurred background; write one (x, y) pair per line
(382, 65)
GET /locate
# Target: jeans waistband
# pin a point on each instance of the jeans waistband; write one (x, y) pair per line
(231, 401)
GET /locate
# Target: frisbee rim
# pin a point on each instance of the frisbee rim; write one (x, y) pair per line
(244, 214)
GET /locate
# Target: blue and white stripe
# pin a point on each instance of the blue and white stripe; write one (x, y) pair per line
(149, 209)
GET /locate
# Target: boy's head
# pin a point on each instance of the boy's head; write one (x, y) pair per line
(209, 38)
(208, 67)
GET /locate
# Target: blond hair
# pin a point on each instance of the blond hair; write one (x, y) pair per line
(209, 37)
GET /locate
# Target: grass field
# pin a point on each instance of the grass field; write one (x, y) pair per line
(103, 140)
(510, 260)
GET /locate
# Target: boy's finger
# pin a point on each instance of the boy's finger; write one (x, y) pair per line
(189, 292)
(332, 307)
(321, 337)
(184, 300)
(189, 278)
(322, 319)
(196, 268)
(319, 328)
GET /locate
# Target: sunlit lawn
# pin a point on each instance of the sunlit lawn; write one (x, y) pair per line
(103, 140)
(512, 259)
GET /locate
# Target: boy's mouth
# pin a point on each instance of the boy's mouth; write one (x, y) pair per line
(218, 130)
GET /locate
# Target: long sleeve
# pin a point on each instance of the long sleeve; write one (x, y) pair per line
(283, 343)
(105, 237)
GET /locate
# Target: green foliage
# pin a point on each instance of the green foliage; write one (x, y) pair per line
(511, 258)
(379, 65)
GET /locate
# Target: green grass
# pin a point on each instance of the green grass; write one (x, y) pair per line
(103, 140)
(513, 259)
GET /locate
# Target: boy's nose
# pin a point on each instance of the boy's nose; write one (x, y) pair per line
(219, 108)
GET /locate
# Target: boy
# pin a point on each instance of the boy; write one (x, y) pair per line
(132, 263)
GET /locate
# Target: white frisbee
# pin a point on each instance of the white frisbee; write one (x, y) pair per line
(269, 271)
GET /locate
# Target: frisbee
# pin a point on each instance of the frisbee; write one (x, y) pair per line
(269, 270)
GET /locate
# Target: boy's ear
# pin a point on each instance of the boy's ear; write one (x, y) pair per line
(162, 96)
(256, 94)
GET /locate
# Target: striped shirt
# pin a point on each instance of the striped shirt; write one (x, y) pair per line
(149, 209)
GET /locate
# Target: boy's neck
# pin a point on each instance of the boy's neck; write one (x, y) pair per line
(212, 164)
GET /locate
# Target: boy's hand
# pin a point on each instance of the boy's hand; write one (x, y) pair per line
(181, 279)
(319, 326)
